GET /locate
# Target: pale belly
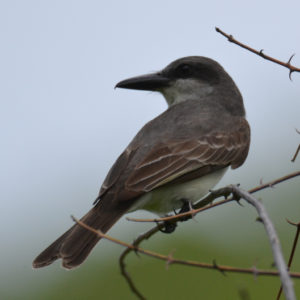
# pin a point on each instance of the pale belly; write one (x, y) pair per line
(165, 199)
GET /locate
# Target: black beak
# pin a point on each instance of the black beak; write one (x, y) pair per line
(150, 82)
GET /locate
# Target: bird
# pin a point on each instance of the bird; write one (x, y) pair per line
(175, 158)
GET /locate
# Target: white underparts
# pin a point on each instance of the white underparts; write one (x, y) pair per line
(167, 198)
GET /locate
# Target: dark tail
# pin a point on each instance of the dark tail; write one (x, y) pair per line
(74, 245)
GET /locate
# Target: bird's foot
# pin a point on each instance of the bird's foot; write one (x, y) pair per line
(169, 227)
(186, 207)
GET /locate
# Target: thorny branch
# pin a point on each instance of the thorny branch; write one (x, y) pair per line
(296, 154)
(261, 53)
(292, 252)
(298, 149)
(141, 238)
(286, 281)
(170, 260)
(207, 200)
(267, 57)
(203, 204)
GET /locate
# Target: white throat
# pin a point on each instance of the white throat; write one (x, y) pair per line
(186, 89)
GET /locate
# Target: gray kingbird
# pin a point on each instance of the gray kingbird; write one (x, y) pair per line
(178, 156)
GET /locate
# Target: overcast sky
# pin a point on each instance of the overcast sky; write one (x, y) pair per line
(63, 124)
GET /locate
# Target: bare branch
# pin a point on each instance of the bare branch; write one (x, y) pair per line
(175, 218)
(274, 182)
(298, 149)
(287, 284)
(171, 260)
(261, 54)
(296, 154)
(214, 195)
(124, 254)
(292, 252)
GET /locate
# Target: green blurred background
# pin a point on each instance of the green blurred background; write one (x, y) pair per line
(62, 127)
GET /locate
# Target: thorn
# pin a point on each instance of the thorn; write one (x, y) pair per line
(292, 223)
(290, 74)
(261, 53)
(289, 66)
(170, 259)
(297, 131)
(218, 268)
(290, 59)
(259, 219)
(261, 181)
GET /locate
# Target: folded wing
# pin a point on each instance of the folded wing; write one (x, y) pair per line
(170, 159)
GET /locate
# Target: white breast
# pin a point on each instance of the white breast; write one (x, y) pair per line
(167, 198)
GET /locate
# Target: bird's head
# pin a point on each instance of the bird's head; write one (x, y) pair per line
(186, 78)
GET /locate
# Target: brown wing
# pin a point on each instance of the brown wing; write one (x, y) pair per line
(172, 159)
(142, 169)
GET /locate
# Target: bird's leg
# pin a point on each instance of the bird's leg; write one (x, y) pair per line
(186, 207)
(170, 227)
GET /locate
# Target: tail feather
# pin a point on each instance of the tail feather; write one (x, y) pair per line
(74, 245)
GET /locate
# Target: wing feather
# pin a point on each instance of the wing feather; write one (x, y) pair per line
(167, 161)
(146, 167)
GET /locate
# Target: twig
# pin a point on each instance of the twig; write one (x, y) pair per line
(214, 195)
(207, 200)
(124, 254)
(296, 154)
(218, 193)
(298, 149)
(172, 260)
(179, 217)
(286, 282)
(274, 182)
(261, 54)
(292, 252)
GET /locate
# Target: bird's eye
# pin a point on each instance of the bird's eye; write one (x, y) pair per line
(184, 70)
